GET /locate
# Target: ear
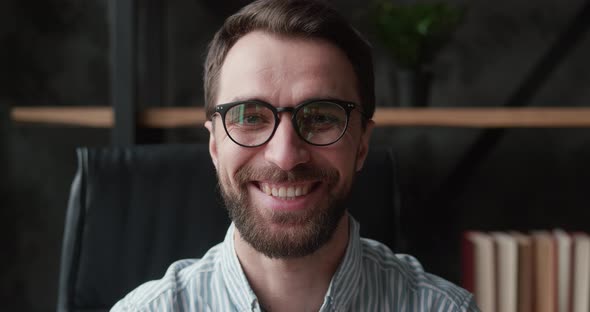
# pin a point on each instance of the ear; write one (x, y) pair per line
(212, 143)
(363, 149)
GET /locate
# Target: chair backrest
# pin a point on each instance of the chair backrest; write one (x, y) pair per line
(133, 211)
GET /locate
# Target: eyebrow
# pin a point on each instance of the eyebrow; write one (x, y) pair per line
(245, 98)
(254, 98)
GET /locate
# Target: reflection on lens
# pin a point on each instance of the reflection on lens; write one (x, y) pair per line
(321, 123)
(249, 124)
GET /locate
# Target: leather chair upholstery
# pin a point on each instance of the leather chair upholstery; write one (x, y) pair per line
(133, 211)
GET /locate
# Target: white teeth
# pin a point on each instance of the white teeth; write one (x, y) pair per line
(285, 192)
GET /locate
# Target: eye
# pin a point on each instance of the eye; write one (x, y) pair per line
(253, 119)
(249, 117)
(317, 123)
(248, 120)
(323, 119)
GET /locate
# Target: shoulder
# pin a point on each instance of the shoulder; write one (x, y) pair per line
(175, 288)
(406, 275)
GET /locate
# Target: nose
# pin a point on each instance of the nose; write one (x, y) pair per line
(286, 149)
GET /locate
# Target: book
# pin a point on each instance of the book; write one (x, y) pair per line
(506, 271)
(545, 275)
(524, 272)
(484, 285)
(563, 248)
(467, 278)
(580, 273)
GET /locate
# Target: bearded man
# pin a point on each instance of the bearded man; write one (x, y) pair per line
(289, 93)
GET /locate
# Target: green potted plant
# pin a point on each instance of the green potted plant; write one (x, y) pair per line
(413, 34)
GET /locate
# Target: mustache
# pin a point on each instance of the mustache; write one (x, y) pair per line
(275, 174)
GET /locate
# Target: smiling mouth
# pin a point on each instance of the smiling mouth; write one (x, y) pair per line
(287, 192)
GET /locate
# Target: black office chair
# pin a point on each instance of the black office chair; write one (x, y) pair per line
(133, 211)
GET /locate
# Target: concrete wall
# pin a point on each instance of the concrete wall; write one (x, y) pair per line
(56, 53)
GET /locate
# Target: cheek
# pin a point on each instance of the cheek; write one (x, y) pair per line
(343, 159)
(227, 168)
(231, 159)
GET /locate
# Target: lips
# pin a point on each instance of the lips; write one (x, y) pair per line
(287, 192)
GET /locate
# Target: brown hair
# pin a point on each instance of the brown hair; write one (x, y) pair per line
(305, 18)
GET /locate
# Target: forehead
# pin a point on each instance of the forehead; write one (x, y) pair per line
(285, 70)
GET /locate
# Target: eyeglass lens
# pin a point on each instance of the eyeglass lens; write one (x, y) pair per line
(319, 123)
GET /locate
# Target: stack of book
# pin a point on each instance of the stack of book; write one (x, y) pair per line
(542, 271)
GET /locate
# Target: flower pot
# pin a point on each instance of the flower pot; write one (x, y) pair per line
(412, 87)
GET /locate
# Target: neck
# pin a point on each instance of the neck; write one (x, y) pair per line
(293, 284)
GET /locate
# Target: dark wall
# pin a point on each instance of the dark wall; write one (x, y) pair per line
(56, 53)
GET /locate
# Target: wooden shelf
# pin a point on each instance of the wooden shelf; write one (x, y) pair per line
(177, 117)
(537, 117)
(103, 117)
(94, 117)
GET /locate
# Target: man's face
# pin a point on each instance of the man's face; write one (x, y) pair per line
(286, 197)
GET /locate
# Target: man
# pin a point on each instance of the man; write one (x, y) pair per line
(289, 95)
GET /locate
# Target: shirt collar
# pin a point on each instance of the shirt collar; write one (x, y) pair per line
(342, 286)
(345, 281)
(234, 278)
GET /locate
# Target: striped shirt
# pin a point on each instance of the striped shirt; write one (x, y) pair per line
(370, 278)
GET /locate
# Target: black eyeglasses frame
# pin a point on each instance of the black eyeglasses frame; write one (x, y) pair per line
(222, 110)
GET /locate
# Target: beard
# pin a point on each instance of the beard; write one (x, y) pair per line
(304, 231)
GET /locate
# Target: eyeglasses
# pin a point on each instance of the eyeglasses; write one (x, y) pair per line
(252, 123)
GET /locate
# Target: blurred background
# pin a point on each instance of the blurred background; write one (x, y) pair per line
(502, 53)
